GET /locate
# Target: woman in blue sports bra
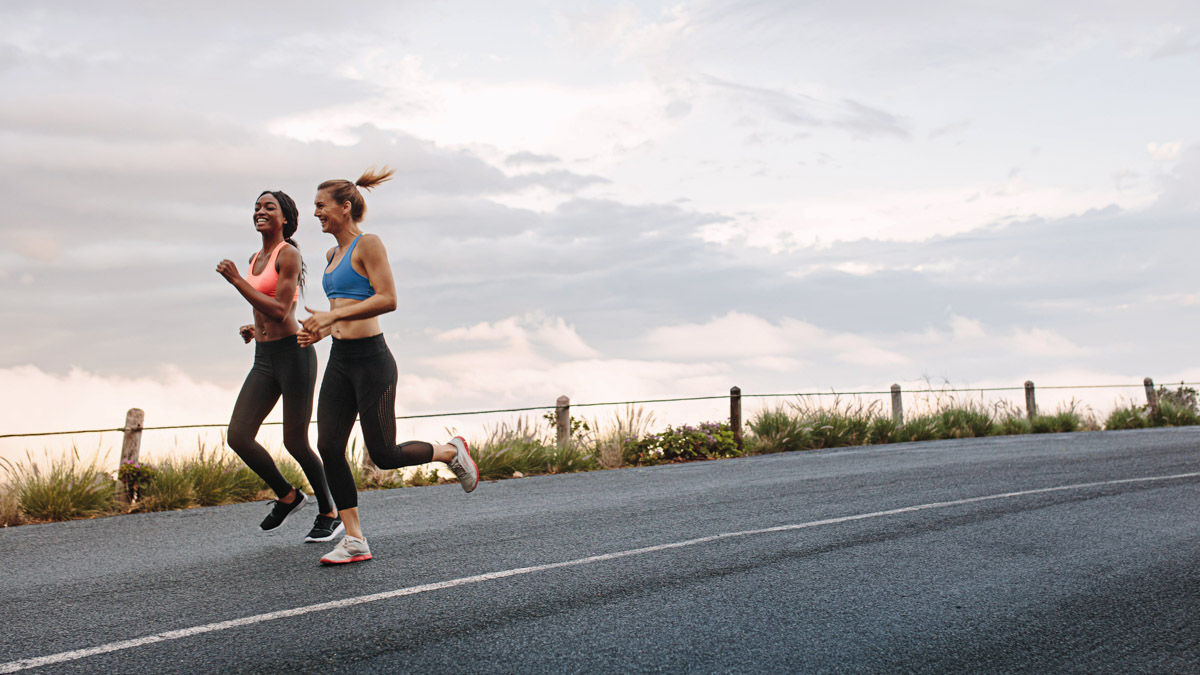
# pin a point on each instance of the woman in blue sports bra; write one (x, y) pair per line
(360, 379)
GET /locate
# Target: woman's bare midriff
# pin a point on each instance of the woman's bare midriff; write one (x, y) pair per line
(353, 329)
(268, 330)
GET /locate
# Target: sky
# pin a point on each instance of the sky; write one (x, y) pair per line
(611, 201)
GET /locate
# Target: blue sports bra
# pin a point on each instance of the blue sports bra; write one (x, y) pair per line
(343, 281)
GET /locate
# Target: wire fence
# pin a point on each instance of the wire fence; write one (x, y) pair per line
(622, 403)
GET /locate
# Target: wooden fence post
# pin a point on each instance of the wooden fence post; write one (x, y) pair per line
(1030, 400)
(562, 411)
(131, 446)
(735, 416)
(1151, 398)
(897, 405)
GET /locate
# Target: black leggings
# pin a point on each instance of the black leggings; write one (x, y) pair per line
(281, 367)
(360, 381)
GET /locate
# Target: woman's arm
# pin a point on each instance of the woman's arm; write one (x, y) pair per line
(278, 307)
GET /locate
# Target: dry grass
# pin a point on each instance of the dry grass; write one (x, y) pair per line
(607, 440)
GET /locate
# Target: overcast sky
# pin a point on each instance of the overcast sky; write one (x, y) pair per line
(611, 201)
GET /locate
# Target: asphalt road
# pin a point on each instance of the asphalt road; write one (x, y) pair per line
(1066, 553)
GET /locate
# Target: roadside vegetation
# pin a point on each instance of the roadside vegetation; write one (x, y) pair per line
(70, 488)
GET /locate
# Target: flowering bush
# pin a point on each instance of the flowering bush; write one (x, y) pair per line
(135, 476)
(709, 440)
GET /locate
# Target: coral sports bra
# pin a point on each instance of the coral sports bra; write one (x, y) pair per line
(343, 281)
(269, 279)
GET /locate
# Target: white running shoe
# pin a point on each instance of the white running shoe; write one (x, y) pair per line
(349, 549)
(463, 466)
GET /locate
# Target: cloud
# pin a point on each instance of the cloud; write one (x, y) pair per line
(1162, 152)
(560, 181)
(576, 208)
(529, 158)
(954, 129)
(802, 110)
(34, 246)
(534, 331)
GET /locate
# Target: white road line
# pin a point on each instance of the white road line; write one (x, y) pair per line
(61, 657)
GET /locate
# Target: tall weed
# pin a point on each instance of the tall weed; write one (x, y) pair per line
(510, 449)
(169, 489)
(607, 442)
(774, 430)
(68, 489)
(1177, 414)
(220, 477)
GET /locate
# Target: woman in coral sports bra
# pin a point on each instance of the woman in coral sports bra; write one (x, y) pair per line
(360, 379)
(282, 367)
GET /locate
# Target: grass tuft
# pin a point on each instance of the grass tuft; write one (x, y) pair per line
(510, 449)
(169, 489)
(68, 489)
(607, 442)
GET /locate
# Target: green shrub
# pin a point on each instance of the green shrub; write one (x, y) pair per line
(1130, 417)
(573, 458)
(883, 430)
(773, 430)
(69, 489)
(521, 448)
(134, 476)
(709, 440)
(834, 429)
(169, 489)
(1184, 398)
(511, 456)
(1174, 414)
(1060, 422)
(220, 477)
(919, 428)
(964, 423)
(1013, 425)
(1171, 413)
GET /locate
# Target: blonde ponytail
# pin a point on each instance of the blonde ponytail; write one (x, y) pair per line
(342, 191)
(372, 178)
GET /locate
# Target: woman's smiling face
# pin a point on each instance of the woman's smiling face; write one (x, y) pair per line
(329, 212)
(268, 216)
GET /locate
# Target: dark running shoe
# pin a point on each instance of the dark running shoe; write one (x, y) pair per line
(325, 529)
(280, 512)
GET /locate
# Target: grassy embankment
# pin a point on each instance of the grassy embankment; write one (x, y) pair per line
(70, 488)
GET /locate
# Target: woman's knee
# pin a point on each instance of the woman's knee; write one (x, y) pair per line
(297, 445)
(241, 438)
(331, 454)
